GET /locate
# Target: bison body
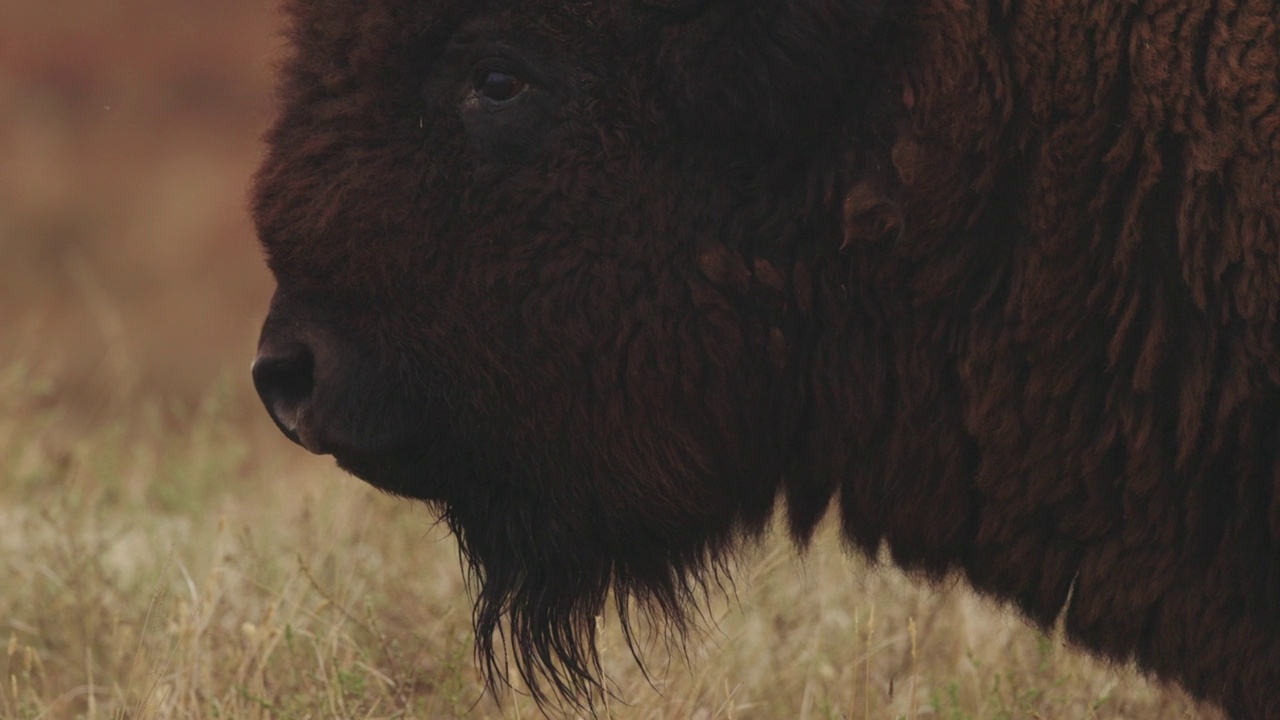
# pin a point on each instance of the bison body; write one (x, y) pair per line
(607, 281)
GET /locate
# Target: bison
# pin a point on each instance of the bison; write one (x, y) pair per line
(607, 282)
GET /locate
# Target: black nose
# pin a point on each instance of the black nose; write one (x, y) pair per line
(284, 378)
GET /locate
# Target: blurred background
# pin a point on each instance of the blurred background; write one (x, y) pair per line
(129, 132)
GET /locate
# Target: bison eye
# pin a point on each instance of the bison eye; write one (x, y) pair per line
(497, 87)
(506, 103)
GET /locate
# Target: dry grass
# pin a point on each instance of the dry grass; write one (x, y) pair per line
(163, 567)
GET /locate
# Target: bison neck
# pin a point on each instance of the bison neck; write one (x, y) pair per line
(1058, 374)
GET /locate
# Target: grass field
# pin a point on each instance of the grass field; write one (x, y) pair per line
(189, 563)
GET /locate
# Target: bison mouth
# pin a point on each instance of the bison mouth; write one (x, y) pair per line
(329, 393)
(395, 463)
(399, 470)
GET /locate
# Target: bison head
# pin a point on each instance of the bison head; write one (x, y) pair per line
(546, 266)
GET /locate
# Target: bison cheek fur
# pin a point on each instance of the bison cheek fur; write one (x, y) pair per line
(947, 265)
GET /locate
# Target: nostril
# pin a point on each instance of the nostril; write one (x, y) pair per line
(284, 380)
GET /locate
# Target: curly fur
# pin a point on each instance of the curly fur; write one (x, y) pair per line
(1000, 279)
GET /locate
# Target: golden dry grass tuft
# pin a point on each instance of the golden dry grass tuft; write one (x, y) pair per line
(168, 565)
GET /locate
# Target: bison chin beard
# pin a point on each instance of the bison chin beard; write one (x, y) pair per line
(542, 569)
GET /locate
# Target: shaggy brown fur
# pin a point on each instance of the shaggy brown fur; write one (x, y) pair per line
(602, 279)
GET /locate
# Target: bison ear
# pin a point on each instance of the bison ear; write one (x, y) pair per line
(768, 71)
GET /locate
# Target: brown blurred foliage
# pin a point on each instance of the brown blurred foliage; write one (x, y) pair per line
(129, 131)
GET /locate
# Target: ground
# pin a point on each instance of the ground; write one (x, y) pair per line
(186, 563)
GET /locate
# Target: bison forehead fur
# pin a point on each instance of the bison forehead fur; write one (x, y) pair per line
(606, 280)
